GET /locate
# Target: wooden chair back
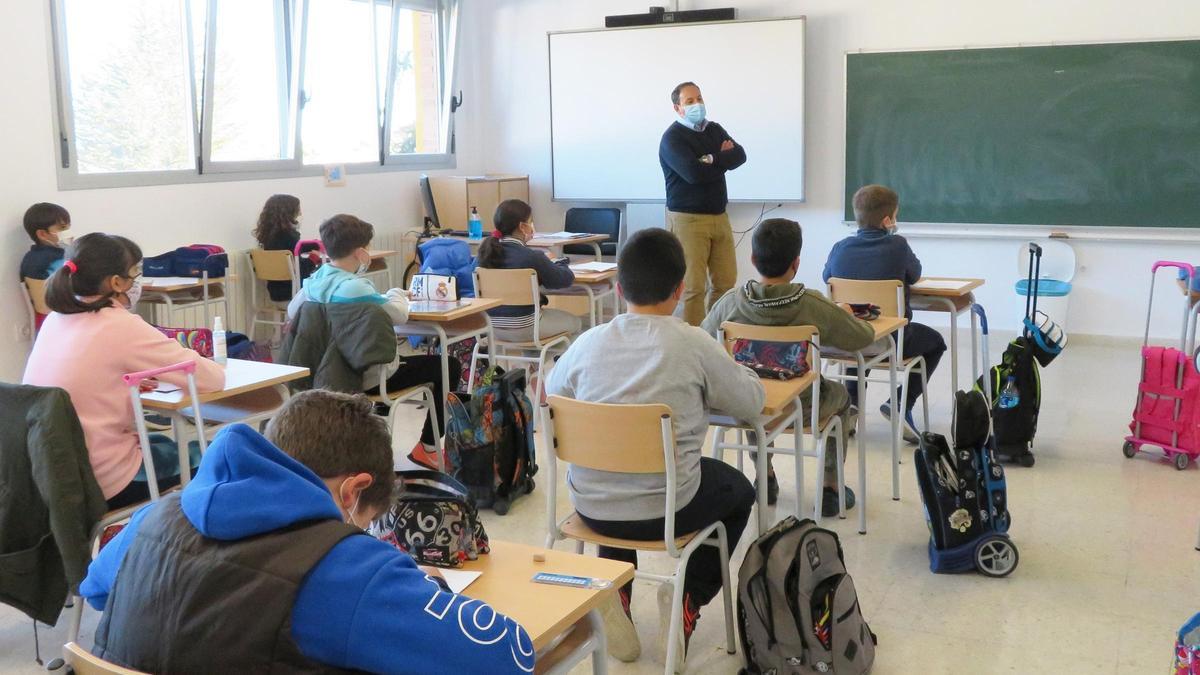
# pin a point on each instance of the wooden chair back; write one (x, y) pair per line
(512, 287)
(271, 265)
(887, 294)
(609, 437)
(36, 288)
(732, 331)
(84, 662)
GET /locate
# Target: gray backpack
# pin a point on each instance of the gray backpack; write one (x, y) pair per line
(797, 608)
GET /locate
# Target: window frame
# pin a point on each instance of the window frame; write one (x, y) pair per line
(205, 171)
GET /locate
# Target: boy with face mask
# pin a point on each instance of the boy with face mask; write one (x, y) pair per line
(263, 557)
(347, 242)
(45, 223)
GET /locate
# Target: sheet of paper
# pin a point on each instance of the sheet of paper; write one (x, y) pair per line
(434, 306)
(458, 580)
(594, 266)
(941, 284)
(562, 235)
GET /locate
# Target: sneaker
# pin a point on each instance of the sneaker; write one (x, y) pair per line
(421, 456)
(691, 614)
(907, 428)
(623, 642)
(829, 502)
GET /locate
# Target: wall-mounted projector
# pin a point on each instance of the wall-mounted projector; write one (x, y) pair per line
(659, 15)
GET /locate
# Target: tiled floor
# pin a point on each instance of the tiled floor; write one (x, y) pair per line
(1107, 569)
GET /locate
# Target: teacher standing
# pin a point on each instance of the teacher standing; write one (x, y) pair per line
(695, 153)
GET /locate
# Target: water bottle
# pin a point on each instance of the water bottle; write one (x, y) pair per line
(474, 225)
(1009, 395)
(219, 342)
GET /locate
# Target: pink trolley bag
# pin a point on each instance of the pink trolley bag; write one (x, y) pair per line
(1167, 411)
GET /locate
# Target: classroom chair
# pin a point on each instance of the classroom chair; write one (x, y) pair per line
(420, 396)
(34, 293)
(205, 297)
(829, 426)
(83, 662)
(888, 295)
(635, 439)
(593, 221)
(270, 266)
(518, 287)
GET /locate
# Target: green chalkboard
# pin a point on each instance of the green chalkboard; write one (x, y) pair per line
(1103, 134)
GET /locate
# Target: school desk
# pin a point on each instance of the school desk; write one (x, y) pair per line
(253, 392)
(953, 296)
(379, 264)
(469, 319)
(165, 292)
(556, 244)
(547, 612)
(597, 286)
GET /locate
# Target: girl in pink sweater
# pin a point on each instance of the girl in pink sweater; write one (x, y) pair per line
(89, 341)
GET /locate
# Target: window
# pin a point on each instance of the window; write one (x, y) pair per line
(130, 113)
(174, 90)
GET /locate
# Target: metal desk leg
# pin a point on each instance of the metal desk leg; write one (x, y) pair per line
(895, 420)
(862, 445)
(760, 475)
(181, 445)
(600, 654)
(953, 349)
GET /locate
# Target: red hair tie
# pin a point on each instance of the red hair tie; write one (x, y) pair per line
(70, 264)
(496, 234)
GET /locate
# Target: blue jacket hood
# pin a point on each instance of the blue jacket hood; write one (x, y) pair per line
(450, 257)
(247, 486)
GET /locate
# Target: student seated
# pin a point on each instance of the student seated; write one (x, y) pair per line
(876, 252)
(260, 564)
(347, 242)
(278, 230)
(775, 300)
(45, 224)
(650, 356)
(89, 341)
(506, 250)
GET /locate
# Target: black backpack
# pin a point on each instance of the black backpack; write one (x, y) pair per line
(1015, 427)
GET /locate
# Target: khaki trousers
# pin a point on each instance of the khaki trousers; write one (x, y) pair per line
(711, 262)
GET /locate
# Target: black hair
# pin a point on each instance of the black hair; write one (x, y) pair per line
(90, 262)
(678, 88)
(775, 246)
(343, 233)
(335, 434)
(508, 217)
(42, 216)
(279, 214)
(650, 266)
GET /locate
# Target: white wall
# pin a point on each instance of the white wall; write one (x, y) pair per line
(1113, 278)
(161, 217)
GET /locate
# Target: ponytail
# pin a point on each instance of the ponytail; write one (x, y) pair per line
(508, 217)
(90, 262)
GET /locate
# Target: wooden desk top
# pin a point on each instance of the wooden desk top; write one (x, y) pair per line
(376, 255)
(240, 377)
(595, 277)
(549, 242)
(543, 610)
(938, 286)
(174, 284)
(781, 394)
(472, 306)
(886, 325)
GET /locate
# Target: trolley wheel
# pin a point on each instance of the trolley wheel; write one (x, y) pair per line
(1182, 461)
(1129, 449)
(996, 556)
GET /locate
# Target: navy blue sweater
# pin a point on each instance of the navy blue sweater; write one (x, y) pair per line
(516, 255)
(873, 255)
(692, 185)
(39, 260)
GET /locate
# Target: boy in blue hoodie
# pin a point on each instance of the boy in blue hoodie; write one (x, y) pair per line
(347, 242)
(260, 564)
(876, 252)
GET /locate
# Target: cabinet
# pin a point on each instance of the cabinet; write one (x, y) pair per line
(453, 197)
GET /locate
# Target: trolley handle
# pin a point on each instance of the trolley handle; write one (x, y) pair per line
(1186, 267)
(978, 310)
(186, 367)
(1035, 249)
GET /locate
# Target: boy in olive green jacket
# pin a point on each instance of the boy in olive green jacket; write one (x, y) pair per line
(775, 300)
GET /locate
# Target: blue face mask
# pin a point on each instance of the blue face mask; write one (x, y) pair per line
(694, 113)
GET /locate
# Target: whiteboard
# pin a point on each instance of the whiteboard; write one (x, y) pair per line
(610, 102)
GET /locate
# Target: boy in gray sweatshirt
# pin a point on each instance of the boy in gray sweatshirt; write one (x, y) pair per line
(775, 300)
(650, 356)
